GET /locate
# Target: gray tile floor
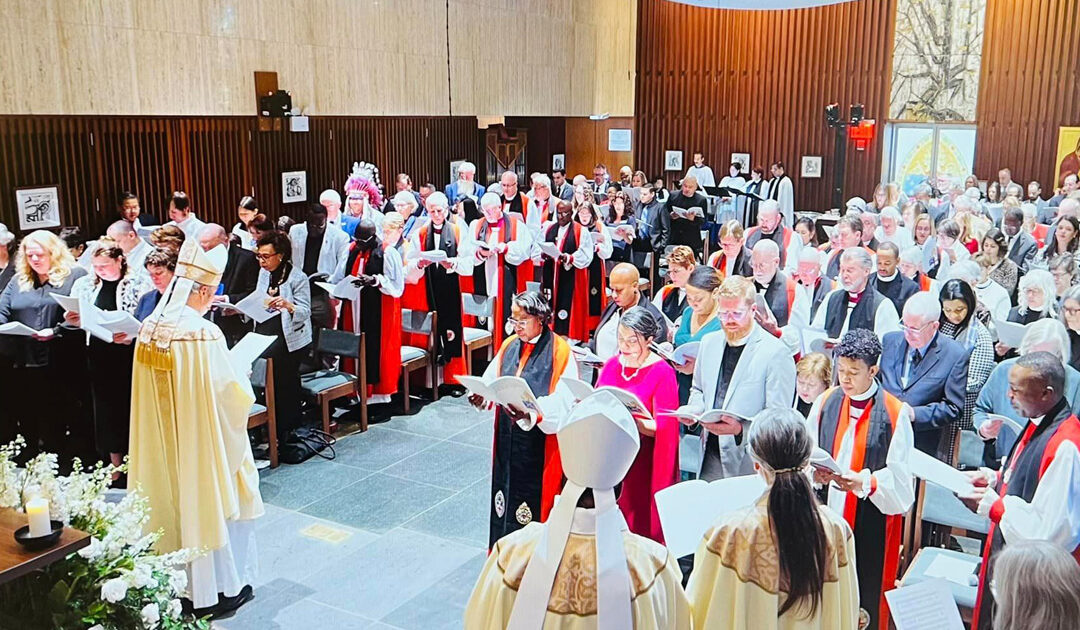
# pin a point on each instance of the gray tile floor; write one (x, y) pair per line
(390, 535)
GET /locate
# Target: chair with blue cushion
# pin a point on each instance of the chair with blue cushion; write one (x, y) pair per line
(262, 378)
(326, 386)
(414, 358)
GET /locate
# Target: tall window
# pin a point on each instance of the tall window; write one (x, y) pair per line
(937, 153)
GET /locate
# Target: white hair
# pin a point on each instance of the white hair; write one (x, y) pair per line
(490, 200)
(579, 180)
(972, 193)
(6, 236)
(966, 270)
(1068, 204)
(768, 247)
(405, 198)
(330, 195)
(769, 205)
(1039, 279)
(856, 202)
(543, 180)
(466, 167)
(858, 255)
(1047, 331)
(924, 304)
(512, 174)
(891, 212)
(964, 201)
(1019, 190)
(873, 217)
(1030, 210)
(808, 254)
(913, 255)
(437, 200)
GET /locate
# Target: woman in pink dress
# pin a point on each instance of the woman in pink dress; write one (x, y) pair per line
(638, 370)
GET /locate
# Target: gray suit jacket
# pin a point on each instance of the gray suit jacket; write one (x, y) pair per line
(763, 378)
(1023, 250)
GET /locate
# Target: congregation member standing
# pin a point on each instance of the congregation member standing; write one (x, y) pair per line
(112, 287)
(928, 371)
(7, 258)
(160, 267)
(190, 454)
(465, 185)
(867, 431)
(1021, 246)
(560, 187)
(786, 562)
(286, 290)
(849, 231)
(565, 280)
(182, 216)
(238, 281)
(585, 213)
(888, 280)
(742, 370)
(651, 236)
(856, 304)
(958, 322)
(381, 281)
(640, 371)
(670, 299)
(125, 236)
(733, 258)
(702, 289)
(32, 366)
(547, 575)
(813, 285)
(687, 212)
(625, 294)
(498, 244)
(782, 192)
(526, 471)
(1033, 497)
(770, 228)
(317, 250)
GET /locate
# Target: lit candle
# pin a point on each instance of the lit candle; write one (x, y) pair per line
(37, 510)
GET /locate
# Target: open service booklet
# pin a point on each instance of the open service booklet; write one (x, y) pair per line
(581, 390)
(508, 391)
(712, 416)
(688, 509)
(679, 356)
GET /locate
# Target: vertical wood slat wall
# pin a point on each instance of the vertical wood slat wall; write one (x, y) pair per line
(725, 81)
(215, 160)
(1030, 85)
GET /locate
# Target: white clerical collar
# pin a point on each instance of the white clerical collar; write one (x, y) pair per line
(869, 393)
(532, 342)
(1037, 421)
(890, 278)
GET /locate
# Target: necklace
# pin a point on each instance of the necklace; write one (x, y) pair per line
(627, 377)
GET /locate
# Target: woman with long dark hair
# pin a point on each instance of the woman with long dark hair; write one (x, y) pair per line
(620, 212)
(958, 322)
(246, 211)
(1065, 239)
(784, 562)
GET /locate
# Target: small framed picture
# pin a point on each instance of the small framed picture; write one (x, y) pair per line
(293, 186)
(743, 160)
(39, 207)
(454, 164)
(558, 161)
(811, 166)
(673, 160)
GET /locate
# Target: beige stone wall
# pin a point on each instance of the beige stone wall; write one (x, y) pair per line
(337, 57)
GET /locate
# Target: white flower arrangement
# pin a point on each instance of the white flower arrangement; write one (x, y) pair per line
(117, 582)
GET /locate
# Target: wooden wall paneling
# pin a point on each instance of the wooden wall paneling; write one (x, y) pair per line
(1029, 86)
(587, 145)
(724, 81)
(547, 136)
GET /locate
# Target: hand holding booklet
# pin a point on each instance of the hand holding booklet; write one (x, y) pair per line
(680, 355)
(507, 391)
(19, 329)
(935, 471)
(343, 290)
(581, 390)
(688, 509)
(822, 460)
(254, 306)
(713, 416)
(1010, 333)
(584, 355)
(433, 255)
(551, 250)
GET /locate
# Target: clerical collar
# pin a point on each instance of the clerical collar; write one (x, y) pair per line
(534, 340)
(1051, 414)
(868, 394)
(438, 228)
(890, 278)
(854, 297)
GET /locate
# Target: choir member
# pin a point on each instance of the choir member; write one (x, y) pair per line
(246, 211)
(125, 236)
(440, 283)
(788, 309)
(770, 228)
(565, 280)
(867, 431)
(756, 186)
(701, 171)
(687, 211)
(813, 285)
(376, 309)
(547, 575)
(783, 193)
(640, 371)
(1034, 496)
(856, 304)
(526, 470)
(131, 211)
(317, 250)
(888, 280)
(786, 562)
(624, 284)
(182, 216)
(733, 259)
(671, 298)
(743, 360)
(498, 244)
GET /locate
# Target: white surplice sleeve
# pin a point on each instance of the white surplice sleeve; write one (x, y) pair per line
(885, 320)
(413, 272)
(603, 245)
(798, 319)
(392, 280)
(558, 405)
(520, 249)
(1054, 511)
(893, 487)
(582, 258)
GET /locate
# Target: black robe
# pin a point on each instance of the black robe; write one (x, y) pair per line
(862, 316)
(898, 290)
(444, 295)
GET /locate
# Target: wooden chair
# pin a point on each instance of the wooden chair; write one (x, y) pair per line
(326, 386)
(262, 377)
(413, 358)
(476, 338)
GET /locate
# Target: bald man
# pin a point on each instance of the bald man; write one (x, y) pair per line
(623, 283)
(237, 282)
(135, 249)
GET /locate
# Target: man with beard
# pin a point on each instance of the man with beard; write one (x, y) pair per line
(856, 304)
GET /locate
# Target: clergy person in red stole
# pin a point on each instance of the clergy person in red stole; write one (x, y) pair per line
(498, 244)
(1034, 496)
(868, 432)
(377, 309)
(526, 470)
(565, 280)
(439, 283)
(540, 209)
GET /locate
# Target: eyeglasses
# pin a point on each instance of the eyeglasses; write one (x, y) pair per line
(733, 315)
(517, 323)
(913, 330)
(266, 256)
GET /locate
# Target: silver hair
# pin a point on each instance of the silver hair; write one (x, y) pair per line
(809, 254)
(1017, 188)
(873, 217)
(438, 200)
(490, 200)
(466, 167)
(212, 229)
(543, 180)
(769, 205)
(966, 270)
(1049, 332)
(925, 304)
(534, 304)
(1040, 279)
(912, 255)
(891, 212)
(858, 255)
(963, 201)
(1068, 203)
(512, 174)
(767, 246)
(1030, 210)
(641, 321)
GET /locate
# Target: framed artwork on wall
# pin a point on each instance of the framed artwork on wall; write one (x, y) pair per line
(39, 207)
(293, 186)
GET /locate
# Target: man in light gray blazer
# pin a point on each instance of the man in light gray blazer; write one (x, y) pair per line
(742, 369)
(317, 251)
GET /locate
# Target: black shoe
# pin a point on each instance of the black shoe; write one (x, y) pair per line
(228, 605)
(457, 391)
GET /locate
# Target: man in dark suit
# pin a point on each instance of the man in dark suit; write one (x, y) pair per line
(237, 282)
(623, 281)
(1022, 247)
(651, 234)
(928, 371)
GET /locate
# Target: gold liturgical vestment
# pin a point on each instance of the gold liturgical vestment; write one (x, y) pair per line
(190, 454)
(658, 601)
(736, 585)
